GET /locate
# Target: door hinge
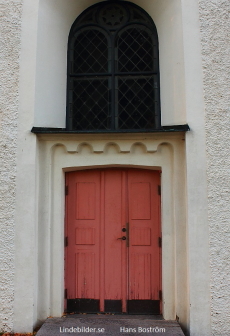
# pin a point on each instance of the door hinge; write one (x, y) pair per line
(159, 190)
(160, 242)
(160, 295)
(66, 241)
(66, 190)
(65, 293)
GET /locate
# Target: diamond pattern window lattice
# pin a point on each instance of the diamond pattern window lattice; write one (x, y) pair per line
(137, 100)
(135, 51)
(90, 103)
(90, 54)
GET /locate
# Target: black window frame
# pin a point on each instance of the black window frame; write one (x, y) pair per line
(81, 23)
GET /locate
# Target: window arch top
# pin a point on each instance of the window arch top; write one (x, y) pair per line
(113, 70)
(112, 15)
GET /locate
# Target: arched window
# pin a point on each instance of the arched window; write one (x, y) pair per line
(113, 70)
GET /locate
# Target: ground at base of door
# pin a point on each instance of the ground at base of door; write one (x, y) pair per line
(107, 325)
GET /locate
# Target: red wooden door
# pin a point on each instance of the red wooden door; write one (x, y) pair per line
(144, 249)
(113, 253)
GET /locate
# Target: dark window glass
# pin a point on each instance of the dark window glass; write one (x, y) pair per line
(137, 100)
(90, 52)
(90, 104)
(135, 50)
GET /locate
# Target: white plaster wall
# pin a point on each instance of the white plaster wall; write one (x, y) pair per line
(10, 31)
(215, 41)
(73, 152)
(54, 22)
(25, 281)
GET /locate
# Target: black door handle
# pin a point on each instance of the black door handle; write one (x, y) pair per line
(122, 238)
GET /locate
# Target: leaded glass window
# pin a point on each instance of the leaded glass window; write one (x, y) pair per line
(113, 70)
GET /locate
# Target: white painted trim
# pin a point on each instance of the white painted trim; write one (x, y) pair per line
(61, 156)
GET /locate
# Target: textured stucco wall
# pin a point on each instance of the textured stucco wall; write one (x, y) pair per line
(215, 39)
(10, 16)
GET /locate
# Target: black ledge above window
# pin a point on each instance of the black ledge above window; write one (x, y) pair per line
(163, 129)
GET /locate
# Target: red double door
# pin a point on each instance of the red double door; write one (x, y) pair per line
(113, 233)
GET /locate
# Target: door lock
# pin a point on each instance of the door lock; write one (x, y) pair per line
(122, 238)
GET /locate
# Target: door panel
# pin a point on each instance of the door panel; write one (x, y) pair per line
(83, 229)
(85, 273)
(140, 200)
(144, 261)
(85, 200)
(103, 271)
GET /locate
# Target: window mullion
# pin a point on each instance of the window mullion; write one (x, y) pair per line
(113, 86)
(70, 105)
(116, 108)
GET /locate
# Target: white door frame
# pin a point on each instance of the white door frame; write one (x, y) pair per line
(79, 152)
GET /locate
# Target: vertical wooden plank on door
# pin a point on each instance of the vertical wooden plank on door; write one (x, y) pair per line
(158, 180)
(102, 243)
(83, 241)
(66, 242)
(124, 255)
(113, 245)
(144, 260)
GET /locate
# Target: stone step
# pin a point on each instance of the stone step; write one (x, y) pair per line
(114, 325)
